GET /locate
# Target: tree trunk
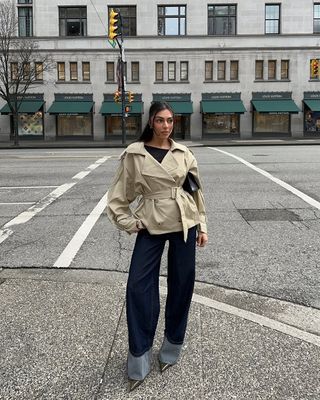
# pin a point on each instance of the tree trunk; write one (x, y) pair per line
(15, 129)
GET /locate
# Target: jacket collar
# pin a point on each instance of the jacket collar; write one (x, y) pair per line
(138, 147)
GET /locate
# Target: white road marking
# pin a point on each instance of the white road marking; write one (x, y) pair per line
(253, 317)
(9, 204)
(68, 254)
(26, 187)
(25, 216)
(283, 184)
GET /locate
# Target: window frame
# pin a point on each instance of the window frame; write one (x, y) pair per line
(73, 72)
(174, 65)
(270, 76)
(38, 74)
(26, 71)
(213, 18)
(163, 17)
(186, 71)
(25, 21)
(206, 63)
(110, 71)
(161, 71)
(135, 71)
(259, 78)
(83, 21)
(316, 19)
(86, 74)
(61, 72)
(223, 70)
(234, 62)
(272, 19)
(14, 71)
(285, 70)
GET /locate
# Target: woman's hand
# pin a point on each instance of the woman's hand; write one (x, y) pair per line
(202, 239)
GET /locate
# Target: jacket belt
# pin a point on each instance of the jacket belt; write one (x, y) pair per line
(171, 193)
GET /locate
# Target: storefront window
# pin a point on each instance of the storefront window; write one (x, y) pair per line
(312, 122)
(221, 124)
(74, 125)
(181, 127)
(271, 123)
(114, 128)
(30, 124)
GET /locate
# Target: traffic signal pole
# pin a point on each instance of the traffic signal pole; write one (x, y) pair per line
(123, 93)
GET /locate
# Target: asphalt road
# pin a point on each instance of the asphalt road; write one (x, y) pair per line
(263, 215)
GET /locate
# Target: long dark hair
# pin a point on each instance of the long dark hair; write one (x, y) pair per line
(155, 108)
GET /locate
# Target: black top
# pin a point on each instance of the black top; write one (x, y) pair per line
(156, 152)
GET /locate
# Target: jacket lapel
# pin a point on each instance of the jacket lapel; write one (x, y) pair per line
(152, 167)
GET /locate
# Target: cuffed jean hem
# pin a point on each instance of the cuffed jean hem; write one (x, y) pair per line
(169, 352)
(139, 367)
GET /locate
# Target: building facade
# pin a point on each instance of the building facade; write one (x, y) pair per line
(229, 69)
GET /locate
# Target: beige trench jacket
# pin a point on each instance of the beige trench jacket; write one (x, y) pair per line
(162, 205)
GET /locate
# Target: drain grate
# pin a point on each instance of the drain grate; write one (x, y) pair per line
(269, 215)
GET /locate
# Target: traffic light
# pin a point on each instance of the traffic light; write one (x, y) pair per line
(130, 97)
(117, 96)
(314, 68)
(114, 24)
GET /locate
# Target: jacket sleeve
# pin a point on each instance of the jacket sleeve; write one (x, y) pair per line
(198, 195)
(121, 194)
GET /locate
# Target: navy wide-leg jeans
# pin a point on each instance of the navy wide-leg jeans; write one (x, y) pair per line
(143, 304)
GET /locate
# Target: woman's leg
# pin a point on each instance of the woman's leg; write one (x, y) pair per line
(180, 281)
(143, 305)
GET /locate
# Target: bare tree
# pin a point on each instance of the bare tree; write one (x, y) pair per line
(22, 64)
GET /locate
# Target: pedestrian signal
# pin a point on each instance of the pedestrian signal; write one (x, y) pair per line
(114, 24)
(127, 109)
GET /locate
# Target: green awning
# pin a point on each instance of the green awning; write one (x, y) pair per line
(181, 107)
(71, 107)
(275, 106)
(110, 107)
(24, 107)
(223, 107)
(314, 105)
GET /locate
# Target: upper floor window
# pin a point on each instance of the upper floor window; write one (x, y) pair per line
(129, 19)
(73, 71)
(284, 69)
(272, 69)
(171, 71)
(159, 71)
(110, 71)
(316, 18)
(172, 20)
(208, 74)
(73, 21)
(184, 71)
(221, 71)
(61, 69)
(259, 69)
(86, 71)
(24, 1)
(135, 71)
(222, 19)
(26, 69)
(234, 70)
(14, 71)
(272, 21)
(25, 23)
(38, 66)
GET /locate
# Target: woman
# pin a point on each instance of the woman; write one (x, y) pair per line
(153, 170)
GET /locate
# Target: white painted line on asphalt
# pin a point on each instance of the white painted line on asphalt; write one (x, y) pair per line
(9, 204)
(25, 216)
(253, 317)
(285, 185)
(26, 187)
(68, 254)
(259, 319)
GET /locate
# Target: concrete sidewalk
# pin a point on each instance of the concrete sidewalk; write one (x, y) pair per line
(63, 336)
(60, 144)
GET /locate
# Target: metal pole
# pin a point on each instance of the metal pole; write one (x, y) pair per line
(123, 95)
